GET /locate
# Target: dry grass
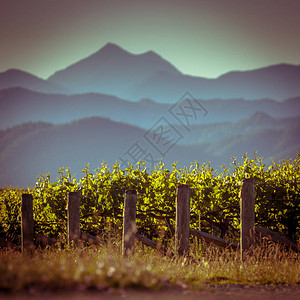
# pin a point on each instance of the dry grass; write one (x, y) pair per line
(103, 267)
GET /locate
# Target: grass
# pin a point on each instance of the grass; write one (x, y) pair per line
(102, 268)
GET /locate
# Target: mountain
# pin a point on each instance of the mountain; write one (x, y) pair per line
(114, 71)
(18, 105)
(17, 78)
(32, 148)
(111, 70)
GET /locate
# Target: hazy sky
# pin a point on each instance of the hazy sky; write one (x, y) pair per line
(203, 38)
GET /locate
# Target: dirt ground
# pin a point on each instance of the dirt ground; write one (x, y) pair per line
(211, 293)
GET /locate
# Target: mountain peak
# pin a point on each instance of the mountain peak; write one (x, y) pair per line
(111, 48)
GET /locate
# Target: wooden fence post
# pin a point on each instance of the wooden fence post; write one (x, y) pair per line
(247, 215)
(129, 226)
(182, 219)
(73, 217)
(27, 224)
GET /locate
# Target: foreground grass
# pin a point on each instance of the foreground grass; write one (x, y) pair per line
(103, 267)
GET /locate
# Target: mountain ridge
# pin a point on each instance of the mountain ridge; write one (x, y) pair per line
(56, 108)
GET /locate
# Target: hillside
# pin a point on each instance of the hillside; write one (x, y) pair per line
(46, 147)
(30, 149)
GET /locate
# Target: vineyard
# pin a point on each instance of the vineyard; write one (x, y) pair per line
(215, 200)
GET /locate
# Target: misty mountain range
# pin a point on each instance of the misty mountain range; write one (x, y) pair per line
(99, 108)
(114, 71)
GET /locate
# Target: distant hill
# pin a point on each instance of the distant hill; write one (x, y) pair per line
(18, 105)
(214, 132)
(17, 78)
(32, 148)
(117, 72)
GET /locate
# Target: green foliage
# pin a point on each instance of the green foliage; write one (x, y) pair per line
(214, 199)
(10, 214)
(50, 202)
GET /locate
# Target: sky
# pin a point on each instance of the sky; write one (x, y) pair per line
(204, 38)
